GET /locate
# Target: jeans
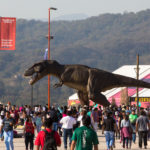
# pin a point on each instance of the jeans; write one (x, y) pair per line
(95, 126)
(67, 133)
(142, 135)
(55, 126)
(133, 134)
(125, 141)
(38, 127)
(8, 138)
(1, 134)
(133, 137)
(109, 136)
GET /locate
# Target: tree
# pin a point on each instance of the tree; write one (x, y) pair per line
(113, 103)
(124, 96)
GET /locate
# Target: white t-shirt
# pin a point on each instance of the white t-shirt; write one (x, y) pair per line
(67, 122)
(1, 122)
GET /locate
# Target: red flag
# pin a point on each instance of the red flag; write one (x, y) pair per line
(7, 33)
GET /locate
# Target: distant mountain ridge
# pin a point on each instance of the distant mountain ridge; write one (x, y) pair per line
(68, 17)
(72, 17)
(106, 41)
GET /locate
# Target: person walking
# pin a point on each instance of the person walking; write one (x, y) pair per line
(82, 114)
(41, 139)
(67, 125)
(29, 133)
(141, 127)
(1, 123)
(84, 137)
(126, 131)
(95, 117)
(132, 118)
(7, 125)
(54, 115)
(38, 121)
(108, 128)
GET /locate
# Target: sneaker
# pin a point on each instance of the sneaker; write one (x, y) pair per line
(145, 147)
(111, 148)
(2, 138)
(129, 147)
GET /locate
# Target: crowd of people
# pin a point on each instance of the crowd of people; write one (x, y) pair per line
(78, 124)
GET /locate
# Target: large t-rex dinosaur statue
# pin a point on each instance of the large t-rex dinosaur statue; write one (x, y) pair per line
(89, 82)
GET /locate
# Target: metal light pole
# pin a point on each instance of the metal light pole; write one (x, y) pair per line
(49, 37)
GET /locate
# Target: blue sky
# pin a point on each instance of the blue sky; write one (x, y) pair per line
(38, 9)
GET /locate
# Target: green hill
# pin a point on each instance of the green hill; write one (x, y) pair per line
(107, 42)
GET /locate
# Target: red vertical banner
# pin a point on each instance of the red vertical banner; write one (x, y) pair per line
(7, 33)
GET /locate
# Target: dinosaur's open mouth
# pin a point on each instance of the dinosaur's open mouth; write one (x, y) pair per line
(33, 78)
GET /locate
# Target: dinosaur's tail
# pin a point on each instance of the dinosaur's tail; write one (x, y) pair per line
(131, 82)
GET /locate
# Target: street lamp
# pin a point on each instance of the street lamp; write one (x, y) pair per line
(49, 38)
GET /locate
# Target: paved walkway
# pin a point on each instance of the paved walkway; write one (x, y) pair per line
(19, 144)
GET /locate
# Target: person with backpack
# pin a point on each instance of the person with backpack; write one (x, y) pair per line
(47, 139)
(29, 133)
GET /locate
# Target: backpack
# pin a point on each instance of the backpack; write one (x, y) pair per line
(49, 143)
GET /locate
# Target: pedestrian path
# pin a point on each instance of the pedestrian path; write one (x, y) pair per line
(19, 144)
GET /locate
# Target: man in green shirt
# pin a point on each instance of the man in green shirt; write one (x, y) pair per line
(132, 118)
(84, 137)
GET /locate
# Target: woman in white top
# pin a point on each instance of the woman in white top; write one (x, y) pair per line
(82, 113)
(1, 121)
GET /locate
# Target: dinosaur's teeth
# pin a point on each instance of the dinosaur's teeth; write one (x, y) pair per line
(30, 81)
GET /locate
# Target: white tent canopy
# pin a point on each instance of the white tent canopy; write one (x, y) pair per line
(74, 97)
